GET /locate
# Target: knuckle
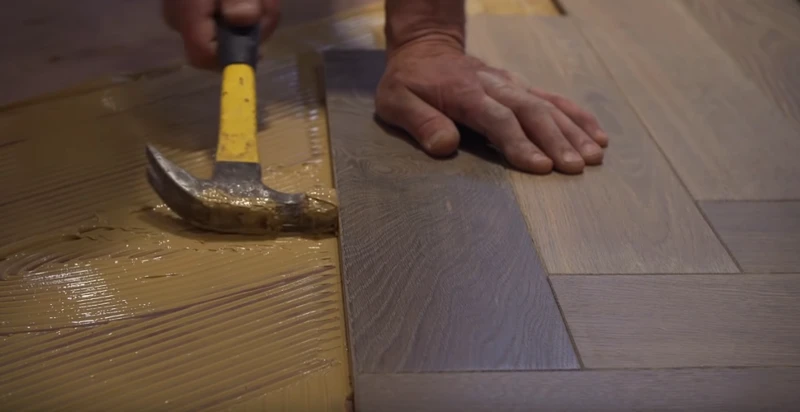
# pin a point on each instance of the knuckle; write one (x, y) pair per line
(560, 100)
(464, 104)
(505, 74)
(506, 88)
(425, 123)
(426, 127)
(539, 109)
(461, 88)
(588, 118)
(499, 112)
(546, 107)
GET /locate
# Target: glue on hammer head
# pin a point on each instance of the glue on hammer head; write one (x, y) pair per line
(235, 200)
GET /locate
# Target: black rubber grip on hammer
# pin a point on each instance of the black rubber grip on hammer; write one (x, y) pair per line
(237, 44)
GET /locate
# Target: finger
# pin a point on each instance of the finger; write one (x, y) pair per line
(536, 118)
(437, 134)
(200, 44)
(591, 152)
(502, 128)
(582, 118)
(195, 22)
(497, 122)
(241, 12)
(579, 116)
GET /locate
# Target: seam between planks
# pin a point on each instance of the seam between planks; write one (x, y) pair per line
(322, 77)
(652, 138)
(675, 274)
(566, 325)
(716, 232)
(749, 201)
(578, 371)
(528, 224)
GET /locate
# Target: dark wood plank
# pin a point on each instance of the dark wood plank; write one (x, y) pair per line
(630, 215)
(440, 272)
(697, 390)
(655, 321)
(764, 237)
(763, 37)
(725, 138)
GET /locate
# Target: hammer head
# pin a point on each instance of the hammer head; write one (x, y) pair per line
(235, 200)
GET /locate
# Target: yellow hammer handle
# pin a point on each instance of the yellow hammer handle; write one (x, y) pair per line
(238, 52)
(237, 120)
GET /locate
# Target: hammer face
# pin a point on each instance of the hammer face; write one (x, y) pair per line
(235, 200)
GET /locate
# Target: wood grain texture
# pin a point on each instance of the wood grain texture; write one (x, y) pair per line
(764, 237)
(630, 215)
(764, 38)
(725, 138)
(678, 390)
(654, 321)
(440, 273)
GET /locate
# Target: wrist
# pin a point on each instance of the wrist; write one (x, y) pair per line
(439, 22)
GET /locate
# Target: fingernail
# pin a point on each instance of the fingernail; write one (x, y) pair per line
(241, 12)
(430, 143)
(572, 157)
(591, 149)
(602, 135)
(243, 7)
(538, 157)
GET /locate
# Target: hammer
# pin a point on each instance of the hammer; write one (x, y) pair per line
(235, 200)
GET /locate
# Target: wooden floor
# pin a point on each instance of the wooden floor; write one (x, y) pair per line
(667, 279)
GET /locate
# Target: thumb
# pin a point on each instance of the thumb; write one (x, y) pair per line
(436, 133)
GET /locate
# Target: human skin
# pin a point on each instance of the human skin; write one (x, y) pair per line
(431, 83)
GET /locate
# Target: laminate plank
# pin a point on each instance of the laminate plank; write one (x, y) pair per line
(655, 321)
(697, 390)
(763, 37)
(764, 237)
(630, 215)
(725, 138)
(440, 273)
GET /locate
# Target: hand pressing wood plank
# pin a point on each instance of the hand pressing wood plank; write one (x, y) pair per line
(678, 390)
(725, 138)
(631, 215)
(762, 236)
(678, 321)
(440, 272)
(763, 37)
